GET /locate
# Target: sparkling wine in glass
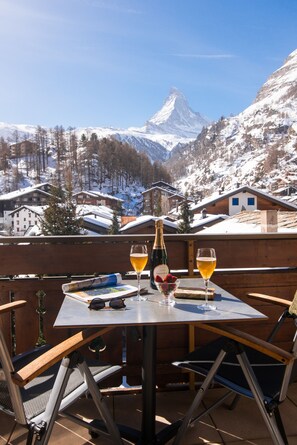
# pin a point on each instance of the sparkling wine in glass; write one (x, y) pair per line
(206, 263)
(138, 259)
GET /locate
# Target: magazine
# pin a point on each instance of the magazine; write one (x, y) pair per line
(106, 287)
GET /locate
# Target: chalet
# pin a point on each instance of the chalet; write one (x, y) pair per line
(146, 224)
(24, 218)
(161, 198)
(23, 148)
(30, 196)
(242, 198)
(97, 198)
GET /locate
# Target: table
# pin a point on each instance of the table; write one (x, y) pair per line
(149, 315)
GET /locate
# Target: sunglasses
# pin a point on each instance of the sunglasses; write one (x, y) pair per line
(116, 303)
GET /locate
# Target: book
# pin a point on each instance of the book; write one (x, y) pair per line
(106, 287)
(194, 293)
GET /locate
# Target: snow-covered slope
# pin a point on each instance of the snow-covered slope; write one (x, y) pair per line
(174, 125)
(257, 147)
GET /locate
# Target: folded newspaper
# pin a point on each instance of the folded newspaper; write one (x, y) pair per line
(106, 287)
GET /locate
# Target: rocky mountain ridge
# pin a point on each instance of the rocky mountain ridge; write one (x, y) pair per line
(174, 125)
(258, 147)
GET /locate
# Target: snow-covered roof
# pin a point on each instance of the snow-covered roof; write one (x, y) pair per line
(21, 192)
(97, 194)
(33, 231)
(146, 218)
(100, 222)
(200, 221)
(250, 222)
(39, 210)
(100, 211)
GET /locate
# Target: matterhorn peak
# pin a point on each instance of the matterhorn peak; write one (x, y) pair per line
(176, 117)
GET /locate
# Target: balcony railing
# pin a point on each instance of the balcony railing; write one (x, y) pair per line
(34, 268)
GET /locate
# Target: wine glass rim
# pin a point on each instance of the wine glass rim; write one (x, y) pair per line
(206, 249)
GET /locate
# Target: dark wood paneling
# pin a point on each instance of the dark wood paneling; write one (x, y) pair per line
(75, 256)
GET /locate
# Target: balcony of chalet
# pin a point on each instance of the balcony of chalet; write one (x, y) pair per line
(35, 268)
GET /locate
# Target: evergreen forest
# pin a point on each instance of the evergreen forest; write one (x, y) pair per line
(86, 162)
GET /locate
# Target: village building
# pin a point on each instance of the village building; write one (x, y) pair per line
(161, 198)
(30, 196)
(92, 197)
(23, 148)
(242, 198)
(146, 225)
(20, 220)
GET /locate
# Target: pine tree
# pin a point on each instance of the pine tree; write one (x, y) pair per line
(115, 226)
(60, 216)
(186, 217)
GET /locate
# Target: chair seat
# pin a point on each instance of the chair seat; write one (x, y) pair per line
(230, 373)
(35, 394)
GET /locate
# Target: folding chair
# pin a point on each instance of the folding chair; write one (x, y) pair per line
(246, 366)
(36, 386)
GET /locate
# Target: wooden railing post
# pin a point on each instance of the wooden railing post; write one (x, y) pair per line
(191, 257)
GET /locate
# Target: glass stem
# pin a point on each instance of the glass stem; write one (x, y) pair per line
(206, 291)
(138, 284)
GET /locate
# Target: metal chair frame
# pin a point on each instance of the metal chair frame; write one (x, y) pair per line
(66, 353)
(236, 342)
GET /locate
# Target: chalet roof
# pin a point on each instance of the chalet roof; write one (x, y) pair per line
(100, 222)
(100, 211)
(180, 195)
(243, 189)
(38, 210)
(145, 219)
(250, 222)
(97, 194)
(16, 193)
(200, 221)
(164, 185)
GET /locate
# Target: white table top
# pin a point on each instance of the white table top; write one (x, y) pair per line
(75, 314)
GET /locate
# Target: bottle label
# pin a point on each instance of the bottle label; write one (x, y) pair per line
(162, 270)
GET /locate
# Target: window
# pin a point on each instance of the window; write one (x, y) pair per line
(235, 201)
(251, 201)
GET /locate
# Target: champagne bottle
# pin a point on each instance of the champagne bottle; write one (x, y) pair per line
(159, 264)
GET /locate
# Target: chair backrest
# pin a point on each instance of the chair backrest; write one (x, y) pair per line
(7, 388)
(290, 375)
(293, 307)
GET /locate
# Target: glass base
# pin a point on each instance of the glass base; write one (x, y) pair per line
(138, 298)
(207, 307)
(167, 302)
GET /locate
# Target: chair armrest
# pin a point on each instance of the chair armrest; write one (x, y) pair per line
(11, 306)
(54, 355)
(249, 340)
(271, 299)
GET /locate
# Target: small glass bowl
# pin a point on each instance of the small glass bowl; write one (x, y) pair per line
(167, 291)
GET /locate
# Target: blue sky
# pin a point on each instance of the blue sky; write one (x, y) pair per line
(112, 62)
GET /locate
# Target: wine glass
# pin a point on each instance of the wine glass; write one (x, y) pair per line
(206, 264)
(138, 259)
(167, 289)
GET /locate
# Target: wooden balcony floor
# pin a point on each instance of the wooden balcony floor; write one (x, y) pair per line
(242, 426)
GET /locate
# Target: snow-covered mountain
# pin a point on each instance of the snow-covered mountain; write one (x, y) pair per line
(257, 147)
(174, 125)
(176, 117)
